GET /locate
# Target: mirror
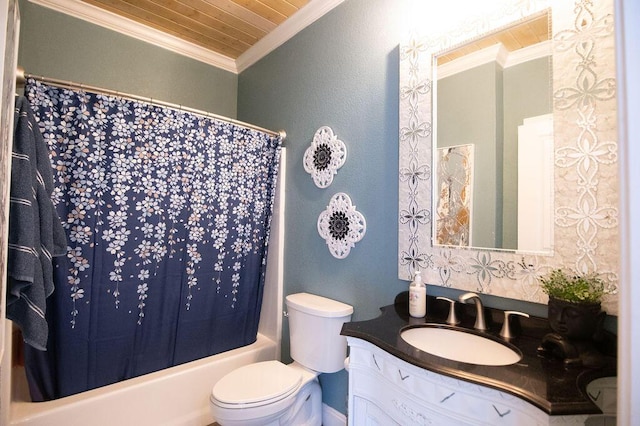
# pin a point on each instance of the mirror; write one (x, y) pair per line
(583, 177)
(493, 134)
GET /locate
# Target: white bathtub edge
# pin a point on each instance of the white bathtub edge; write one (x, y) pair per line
(180, 395)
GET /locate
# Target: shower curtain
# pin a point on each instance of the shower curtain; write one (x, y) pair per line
(167, 218)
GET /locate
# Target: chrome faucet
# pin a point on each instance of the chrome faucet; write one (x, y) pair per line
(480, 323)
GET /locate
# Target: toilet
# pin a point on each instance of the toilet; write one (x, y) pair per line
(271, 393)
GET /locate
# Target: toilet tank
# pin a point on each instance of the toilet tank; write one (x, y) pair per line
(314, 331)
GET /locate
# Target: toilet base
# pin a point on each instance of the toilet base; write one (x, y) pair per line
(307, 410)
(303, 408)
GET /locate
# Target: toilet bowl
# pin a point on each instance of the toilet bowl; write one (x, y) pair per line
(271, 393)
(268, 393)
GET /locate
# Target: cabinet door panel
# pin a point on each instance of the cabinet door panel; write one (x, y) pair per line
(368, 414)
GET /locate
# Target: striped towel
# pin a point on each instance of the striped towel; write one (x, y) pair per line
(35, 230)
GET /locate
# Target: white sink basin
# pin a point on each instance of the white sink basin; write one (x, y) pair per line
(460, 346)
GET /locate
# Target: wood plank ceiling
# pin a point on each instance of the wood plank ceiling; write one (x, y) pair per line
(227, 27)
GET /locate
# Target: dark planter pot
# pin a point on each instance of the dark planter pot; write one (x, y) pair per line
(575, 321)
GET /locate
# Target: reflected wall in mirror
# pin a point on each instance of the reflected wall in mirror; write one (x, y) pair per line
(483, 91)
(582, 232)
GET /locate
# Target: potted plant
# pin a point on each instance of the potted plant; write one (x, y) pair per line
(574, 303)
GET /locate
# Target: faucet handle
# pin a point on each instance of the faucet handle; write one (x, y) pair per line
(506, 329)
(451, 319)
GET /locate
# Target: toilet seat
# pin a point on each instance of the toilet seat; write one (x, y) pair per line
(256, 384)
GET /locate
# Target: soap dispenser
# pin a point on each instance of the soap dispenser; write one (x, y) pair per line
(417, 297)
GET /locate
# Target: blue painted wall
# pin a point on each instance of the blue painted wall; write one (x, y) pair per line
(340, 72)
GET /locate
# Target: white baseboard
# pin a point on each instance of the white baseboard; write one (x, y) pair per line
(332, 417)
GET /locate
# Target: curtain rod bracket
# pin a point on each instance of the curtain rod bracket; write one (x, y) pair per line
(20, 77)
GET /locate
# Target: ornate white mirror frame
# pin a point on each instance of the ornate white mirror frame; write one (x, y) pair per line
(585, 200)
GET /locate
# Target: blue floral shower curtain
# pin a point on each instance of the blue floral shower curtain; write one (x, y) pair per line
(167, 217)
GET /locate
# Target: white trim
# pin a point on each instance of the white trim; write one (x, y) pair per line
(332, 417)
(496, 53)
(304, 17)
(628, 91)
(530, 53)
(296, 23)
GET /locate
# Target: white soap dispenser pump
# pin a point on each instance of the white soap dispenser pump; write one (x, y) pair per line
(417, 297)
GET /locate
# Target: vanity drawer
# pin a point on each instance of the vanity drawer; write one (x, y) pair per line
(396, 403)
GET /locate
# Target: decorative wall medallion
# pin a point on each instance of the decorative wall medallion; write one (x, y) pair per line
(324, 157)
(341, 225)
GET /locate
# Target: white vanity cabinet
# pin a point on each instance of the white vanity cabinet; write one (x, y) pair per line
(384, 390)
(603, 392)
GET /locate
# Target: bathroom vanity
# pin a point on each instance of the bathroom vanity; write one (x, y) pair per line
(392, 382)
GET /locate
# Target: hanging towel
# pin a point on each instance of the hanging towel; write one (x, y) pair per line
(35, 230)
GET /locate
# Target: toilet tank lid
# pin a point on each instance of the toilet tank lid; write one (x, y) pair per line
(318, 305)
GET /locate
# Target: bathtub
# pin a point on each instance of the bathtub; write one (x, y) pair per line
(174, 396)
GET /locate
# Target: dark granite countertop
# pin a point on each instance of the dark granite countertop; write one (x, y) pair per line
(542, 381)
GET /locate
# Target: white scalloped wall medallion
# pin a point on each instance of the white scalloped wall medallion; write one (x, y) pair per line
(341, 225)
(324, 157)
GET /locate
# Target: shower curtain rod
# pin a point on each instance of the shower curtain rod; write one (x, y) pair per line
(21, 78)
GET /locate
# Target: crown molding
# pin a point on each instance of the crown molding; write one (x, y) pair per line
(304, 17)
(530, 53)
(495, 53)
(296, 23)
